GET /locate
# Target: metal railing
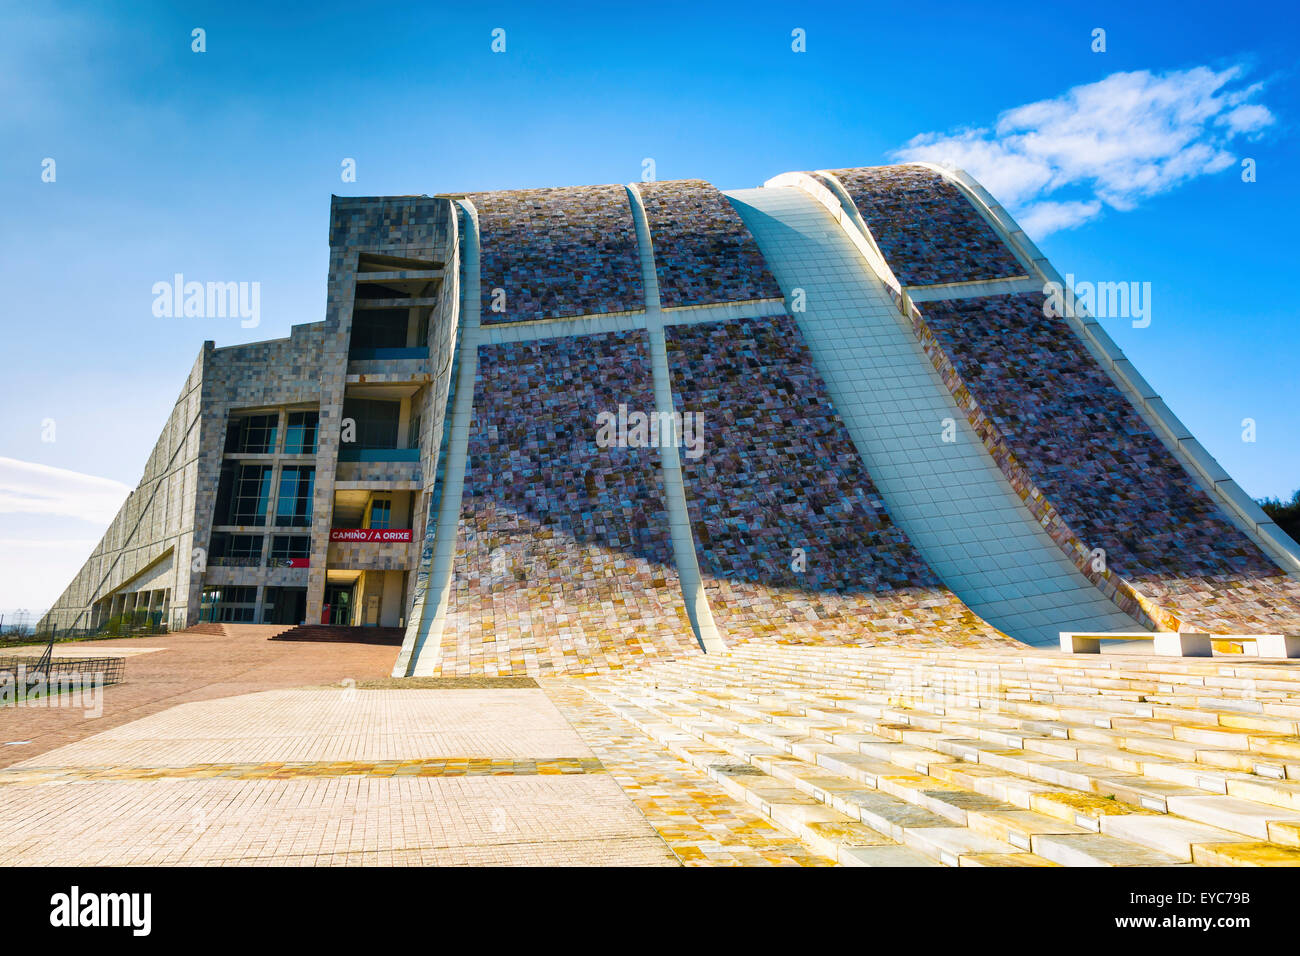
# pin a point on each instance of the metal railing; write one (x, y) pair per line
(64, 672)
(120, 626)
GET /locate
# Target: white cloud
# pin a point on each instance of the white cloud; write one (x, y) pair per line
(50, 521)
(34, 572)
(1059, 162)
(1043, 218)
(30, 488)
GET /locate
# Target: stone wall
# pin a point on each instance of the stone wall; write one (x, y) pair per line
(563, 558)
(779, 472)
(412, 227)
(926, 229)
(703, 250)
(1109, 476)
(556, 253)
(157, 519)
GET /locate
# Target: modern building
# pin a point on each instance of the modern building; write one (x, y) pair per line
(564, 430)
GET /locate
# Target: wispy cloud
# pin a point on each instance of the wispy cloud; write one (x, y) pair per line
(1058, 163)
(30, 488)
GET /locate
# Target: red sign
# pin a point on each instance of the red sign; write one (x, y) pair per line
(370, 534)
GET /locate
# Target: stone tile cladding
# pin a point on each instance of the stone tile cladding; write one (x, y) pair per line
(1110, 478)
(704, 253)
(408, 227)
(172, 506)
(159, 515)
(563, 556)
(780, 472)
(926, 229)
(558, 252)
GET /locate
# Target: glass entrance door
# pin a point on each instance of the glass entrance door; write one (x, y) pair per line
(338, 603)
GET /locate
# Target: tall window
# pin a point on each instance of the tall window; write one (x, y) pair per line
(413, 431)
(252, 435)
(376, 420)
(381, 513)
(252, 492)
(300, 434)
(293, 510)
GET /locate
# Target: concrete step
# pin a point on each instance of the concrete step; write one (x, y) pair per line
(981, 780)
(1255, 753)
(1048, 762)
(823, 829)
(918, 812)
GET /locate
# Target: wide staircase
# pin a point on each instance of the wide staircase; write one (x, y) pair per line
(341, 634)
(889, 757)
(206, 627)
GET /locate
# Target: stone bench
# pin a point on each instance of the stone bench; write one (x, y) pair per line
(1266, 645)
(1167, 643)
(1182, 643)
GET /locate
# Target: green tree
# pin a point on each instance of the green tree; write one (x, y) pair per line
(1285, 513)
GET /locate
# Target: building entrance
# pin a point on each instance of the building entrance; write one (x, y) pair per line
(284, 606)
(339, 600)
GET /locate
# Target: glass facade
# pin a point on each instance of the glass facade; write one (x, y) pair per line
(286, 548)
(253, 435)
(293, 509)
(236, 605)
(300, 434)
(235, 550)
(252, 491)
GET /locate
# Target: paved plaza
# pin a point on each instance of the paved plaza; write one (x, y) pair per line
(171, 669)
(339, 773)
(305, 754)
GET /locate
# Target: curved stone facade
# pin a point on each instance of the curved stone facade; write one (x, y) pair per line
(563, 558)
(796, 543)
(555, 253)
(888, 441)
(925, 227)
(1113, 481)
(704, 253)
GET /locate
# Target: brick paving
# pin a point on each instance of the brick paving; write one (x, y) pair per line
(359, 820)
(343, 775)
(328, 725)
(328, 776)
(188, 666)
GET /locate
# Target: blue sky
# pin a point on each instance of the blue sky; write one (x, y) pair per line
(219, 165)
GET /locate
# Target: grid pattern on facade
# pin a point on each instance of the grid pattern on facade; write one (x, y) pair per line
(252, 434)
(926, 229)
(563, 557)
(251, 492)
(293, 507)
(793, 539)
(300, 436)
(554, 253)
(703, 250)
